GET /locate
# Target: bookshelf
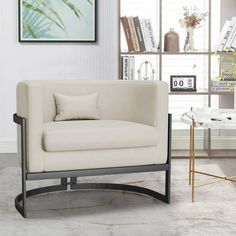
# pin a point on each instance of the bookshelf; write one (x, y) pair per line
(160, 12)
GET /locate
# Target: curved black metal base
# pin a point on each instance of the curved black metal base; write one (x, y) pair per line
(88, 186)
(33, 192)
(20, 200)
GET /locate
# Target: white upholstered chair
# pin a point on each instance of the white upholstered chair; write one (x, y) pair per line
(132, 134)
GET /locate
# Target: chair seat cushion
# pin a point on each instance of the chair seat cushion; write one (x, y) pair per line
(96, 134)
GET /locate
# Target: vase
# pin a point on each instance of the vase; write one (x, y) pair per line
(171, 41)
(189, 41)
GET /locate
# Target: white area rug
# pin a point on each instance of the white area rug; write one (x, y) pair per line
(108, 213)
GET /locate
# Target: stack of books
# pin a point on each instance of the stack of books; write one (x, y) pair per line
(139, 34)
(227, 39)
(222, 86)
(127, 68)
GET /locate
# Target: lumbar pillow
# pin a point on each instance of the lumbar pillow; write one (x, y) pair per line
(83, 107)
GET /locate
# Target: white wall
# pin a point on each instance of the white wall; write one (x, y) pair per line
(51, 61)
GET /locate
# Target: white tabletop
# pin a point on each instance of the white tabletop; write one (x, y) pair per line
(211, 118)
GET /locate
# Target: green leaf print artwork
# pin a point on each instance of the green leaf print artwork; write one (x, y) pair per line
(57, 20)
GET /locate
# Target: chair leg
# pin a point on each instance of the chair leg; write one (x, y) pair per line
(23, 168)
(22, 207)
(167, 186)
(24, 203)
(168, 172)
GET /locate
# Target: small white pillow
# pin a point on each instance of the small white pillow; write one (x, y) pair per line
(83, 107)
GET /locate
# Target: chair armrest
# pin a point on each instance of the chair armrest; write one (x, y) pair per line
(17, 119)
(161, 120)
(29, 107)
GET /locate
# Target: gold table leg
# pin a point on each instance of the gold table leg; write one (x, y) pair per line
(193, 160)
(190, 155)
(219, 179)
(192, 170)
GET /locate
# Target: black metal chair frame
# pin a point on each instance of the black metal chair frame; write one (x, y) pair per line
(20, 200)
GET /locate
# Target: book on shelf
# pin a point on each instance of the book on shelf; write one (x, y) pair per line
(128, 68)
(151, 34)
(222, 86)
(148, 35)
(139, 34)
(231, 34)
(227, 39)
(127, 32)
(125, 66)
(133, 34)
(233, 45)
(132, 68)
(232, 37)
(222, 89)
(223, 37)
(147, 39)
(222, 83)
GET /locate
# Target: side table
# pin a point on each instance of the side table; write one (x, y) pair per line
(206, 118)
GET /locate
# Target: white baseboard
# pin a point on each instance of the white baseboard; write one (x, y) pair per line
(220, 142)
(8, 146)
(182, 143)
(225, 142)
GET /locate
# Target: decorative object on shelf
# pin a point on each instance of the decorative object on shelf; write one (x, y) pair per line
(57, 21)
(183, 83)
(146, 71)
(189, 40)
(192, 19)
(227, 66)
(171, 41)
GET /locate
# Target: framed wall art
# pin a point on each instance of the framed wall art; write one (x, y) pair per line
(57, 20)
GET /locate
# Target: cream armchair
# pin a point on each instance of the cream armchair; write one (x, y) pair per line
(132, 134)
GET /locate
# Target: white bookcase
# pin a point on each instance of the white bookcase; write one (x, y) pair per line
(204, 63)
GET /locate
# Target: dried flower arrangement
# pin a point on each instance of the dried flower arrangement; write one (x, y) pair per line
(192, 18)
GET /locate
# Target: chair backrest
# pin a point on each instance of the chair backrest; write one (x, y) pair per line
(123, 100)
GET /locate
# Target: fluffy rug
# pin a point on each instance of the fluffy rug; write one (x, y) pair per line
(109, 213)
